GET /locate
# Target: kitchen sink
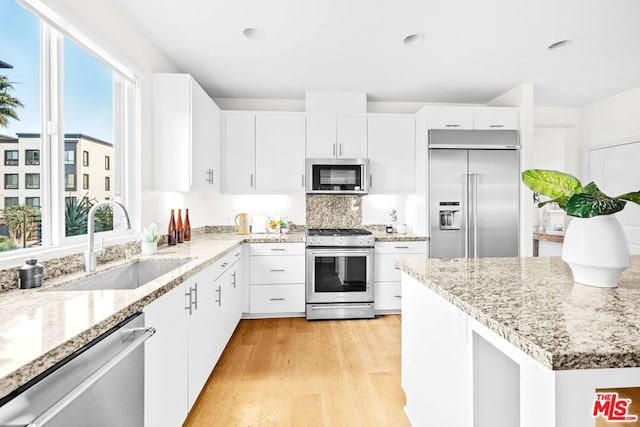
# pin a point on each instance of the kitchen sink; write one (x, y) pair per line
(129, 276)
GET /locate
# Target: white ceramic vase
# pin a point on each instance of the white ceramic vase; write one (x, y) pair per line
(149, 248)
(596, 250)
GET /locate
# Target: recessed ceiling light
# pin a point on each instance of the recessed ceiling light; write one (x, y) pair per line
(253, 33)
(413, 39)
(559, 44)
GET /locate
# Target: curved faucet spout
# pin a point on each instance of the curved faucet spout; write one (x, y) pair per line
(91, 254)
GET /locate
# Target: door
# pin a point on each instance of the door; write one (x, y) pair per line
(494, 182)
(280, 142)
(447, 203)
(239, 158)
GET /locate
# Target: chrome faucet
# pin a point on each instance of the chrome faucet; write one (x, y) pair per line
(91, 254)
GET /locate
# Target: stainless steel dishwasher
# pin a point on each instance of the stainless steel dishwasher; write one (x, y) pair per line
(100, 385)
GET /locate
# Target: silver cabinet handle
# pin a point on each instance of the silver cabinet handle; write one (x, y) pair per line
(397, 296)
(396, 268)
(219, 292)
(334, 149)
(189, 305)
(370, 180)
(277, 270)
(340, 150)
(402, 247)
(278, 249)
(452, 126)
(276, 299)
(224, 265)
(302, 180)
(195, 298)
(251, 180)
(67, 399)
(496, 126)
(234, 278)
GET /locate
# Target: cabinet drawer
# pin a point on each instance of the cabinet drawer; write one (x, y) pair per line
(277, 299)
(268, 270)
(384, 266)
(450, 118)
(401, 247)
(221, 265)
(496, 119)
(388, 296)
(277, 249)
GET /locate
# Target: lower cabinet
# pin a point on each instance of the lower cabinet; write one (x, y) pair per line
(387, 288)
(277, 279)
(194, 323)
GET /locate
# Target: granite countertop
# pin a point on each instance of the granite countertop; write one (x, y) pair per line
(382, 236)
(534, 304)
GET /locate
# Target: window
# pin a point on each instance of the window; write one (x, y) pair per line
(11, 157)
(32, 181)
(94, 104)
(32, 201)
(32, 157)
(11, 181)
(10, 201)
(107, 184)
(69, 156)
(70, 182)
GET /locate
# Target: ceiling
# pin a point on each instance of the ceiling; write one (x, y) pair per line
(474, 50)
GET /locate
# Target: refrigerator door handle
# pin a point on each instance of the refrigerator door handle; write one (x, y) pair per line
(466, 213)
(475, 215)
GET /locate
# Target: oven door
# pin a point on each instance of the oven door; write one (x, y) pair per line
(339, 275)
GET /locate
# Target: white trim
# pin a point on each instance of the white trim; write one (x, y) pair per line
(614, 143)
(108, 56)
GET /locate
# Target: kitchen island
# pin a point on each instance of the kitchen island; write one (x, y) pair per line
(513, 341)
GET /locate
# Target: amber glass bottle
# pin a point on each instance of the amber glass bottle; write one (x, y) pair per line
(187, 226)
(172, 234)
(179, 229)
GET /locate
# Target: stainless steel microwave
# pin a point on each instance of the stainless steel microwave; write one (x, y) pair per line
(337, 176)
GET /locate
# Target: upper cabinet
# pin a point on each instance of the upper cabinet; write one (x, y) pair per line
(485, 118)
(392, 153)
(264, 153)
(186, 135)
(336, 136)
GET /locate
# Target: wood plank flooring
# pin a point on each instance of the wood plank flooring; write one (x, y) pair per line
(292, 372)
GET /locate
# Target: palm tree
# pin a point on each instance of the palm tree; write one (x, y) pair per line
(8, 103)
(20, 220)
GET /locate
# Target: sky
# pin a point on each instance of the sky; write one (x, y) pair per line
(87, 82)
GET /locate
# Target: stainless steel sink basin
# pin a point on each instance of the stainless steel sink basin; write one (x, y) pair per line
(129, 276)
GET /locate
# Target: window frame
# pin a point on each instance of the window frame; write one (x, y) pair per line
(16, 198)
(85, 158)
(26, 156)
(26, 181)
(54, 27)
(9, 161)
(107, 163)
(85, 181)
(27, 198)
(17, 178)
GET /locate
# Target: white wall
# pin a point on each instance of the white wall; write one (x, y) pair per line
(611, 120)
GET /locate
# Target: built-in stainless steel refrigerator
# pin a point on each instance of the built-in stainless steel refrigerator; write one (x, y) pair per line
(474, 182)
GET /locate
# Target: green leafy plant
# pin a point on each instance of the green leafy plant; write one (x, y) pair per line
(21, 221)
(393, 215)
(150, 234)
(6, 244)
(8, 103)
(574, 198)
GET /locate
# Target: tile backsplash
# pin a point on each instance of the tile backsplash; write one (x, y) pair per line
(328, 211)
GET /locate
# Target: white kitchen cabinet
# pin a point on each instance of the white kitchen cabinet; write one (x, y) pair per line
(277, 279)
(387, 289)
(239, 153)
(492, 118)
(486, 118)
(392, 154)
(336, 136)
(186, 135)
(166, 360)
(280, 154)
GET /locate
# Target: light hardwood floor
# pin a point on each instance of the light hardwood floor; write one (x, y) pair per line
(292, 372)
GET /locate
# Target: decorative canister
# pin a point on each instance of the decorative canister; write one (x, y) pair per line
(30, 275)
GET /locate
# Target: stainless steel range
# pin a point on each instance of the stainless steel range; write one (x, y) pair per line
(339, 282)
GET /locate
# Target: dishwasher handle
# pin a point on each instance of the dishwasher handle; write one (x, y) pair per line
(66, 400)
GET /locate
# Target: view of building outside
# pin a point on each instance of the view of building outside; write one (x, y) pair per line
(88, 127)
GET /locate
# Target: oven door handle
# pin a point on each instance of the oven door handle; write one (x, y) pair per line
(341, 252)
(331, 306)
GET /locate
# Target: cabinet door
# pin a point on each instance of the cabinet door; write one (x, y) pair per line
(450, 118)
(239, 157)
(231, 289)
(280, 158)
(205, 141)
(495, 119)
(203, 347)
(165, 361)
(282, 299)
(352, 137)
(391, 147)
(321, 136)
(171, 132)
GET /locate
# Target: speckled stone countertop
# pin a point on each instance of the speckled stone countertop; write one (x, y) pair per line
(534, 304)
